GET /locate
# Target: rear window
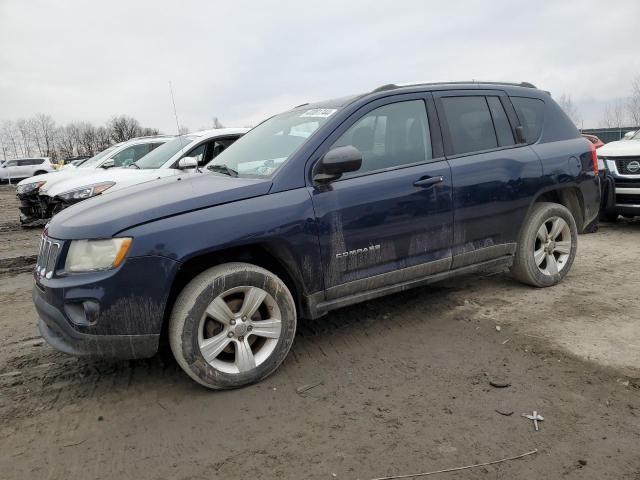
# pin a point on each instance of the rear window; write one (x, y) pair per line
(531, 115)
(469, 123)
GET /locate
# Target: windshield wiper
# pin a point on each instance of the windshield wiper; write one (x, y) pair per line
(223, 169)
(134, 165)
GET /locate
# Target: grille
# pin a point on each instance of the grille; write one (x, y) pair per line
(623, 165)
(622, 199)
(47, 257)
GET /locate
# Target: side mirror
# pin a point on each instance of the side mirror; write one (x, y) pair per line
(108, 164)
(520, 136)
(187, 162)
(337, 161)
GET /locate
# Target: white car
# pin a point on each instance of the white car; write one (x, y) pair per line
(183, 154)
(24, 168)
(32, 212)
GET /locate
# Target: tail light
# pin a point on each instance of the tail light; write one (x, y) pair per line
(594, 158)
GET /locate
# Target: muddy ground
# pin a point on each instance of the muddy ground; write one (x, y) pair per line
(403, 386)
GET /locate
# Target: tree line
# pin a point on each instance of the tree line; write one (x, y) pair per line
(622, 112)
(41, 136)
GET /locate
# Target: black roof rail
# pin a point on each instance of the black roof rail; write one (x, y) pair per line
(301, 105)
(393, 86)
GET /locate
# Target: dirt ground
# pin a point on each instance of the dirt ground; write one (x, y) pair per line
(403, 386)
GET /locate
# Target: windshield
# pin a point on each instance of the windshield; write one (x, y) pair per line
(636, 136)
(159, 156)
(94, 161)
(263, 150)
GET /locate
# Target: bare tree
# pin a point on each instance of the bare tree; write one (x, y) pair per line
(39, 135)
(46, 129)
(87, 139)
(633, 103)
(124, 128)
(216, 123)
(147, 132)
(34, 135)
(103, 139)
(614, 115)
(10, 138)
(25, 136)
(66, 141)
(566, 103)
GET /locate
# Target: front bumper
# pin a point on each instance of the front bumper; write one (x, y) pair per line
(37, 209)
(621, 193)
(116, 314)
(58, 333)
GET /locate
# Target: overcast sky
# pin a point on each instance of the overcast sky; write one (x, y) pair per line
(242, 61)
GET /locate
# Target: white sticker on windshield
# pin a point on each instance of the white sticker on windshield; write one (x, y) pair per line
(319, 112)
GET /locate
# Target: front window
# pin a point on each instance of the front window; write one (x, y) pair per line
(94, 161)
(263, 150)
(636, 136)
(163, 153)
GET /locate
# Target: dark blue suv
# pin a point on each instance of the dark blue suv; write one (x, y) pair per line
(326, 205)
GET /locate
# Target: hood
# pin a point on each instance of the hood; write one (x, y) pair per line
(106, 215)
(123, 177)
(54, 177)
(621, 148)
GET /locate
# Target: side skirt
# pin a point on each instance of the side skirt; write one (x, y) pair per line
(317, 308)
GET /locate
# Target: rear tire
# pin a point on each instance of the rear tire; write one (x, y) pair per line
(232, 325)
(547, 246)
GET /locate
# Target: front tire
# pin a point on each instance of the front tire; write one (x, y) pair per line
(547, 246)
(232, 325)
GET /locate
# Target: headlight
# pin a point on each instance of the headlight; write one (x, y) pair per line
(85, 192)
(95, 255)
(29, 187)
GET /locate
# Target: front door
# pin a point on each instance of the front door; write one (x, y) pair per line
(390, 221)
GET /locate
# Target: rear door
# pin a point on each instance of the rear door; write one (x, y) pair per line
(22, 169)
(494, 179)
(390, 221)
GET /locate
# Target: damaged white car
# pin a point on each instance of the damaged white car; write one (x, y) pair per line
(183, 154)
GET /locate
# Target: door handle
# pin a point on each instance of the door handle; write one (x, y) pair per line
(428, 181)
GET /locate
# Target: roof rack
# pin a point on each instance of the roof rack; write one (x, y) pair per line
(393, 86)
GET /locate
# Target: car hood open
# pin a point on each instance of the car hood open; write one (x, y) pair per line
(106, 215)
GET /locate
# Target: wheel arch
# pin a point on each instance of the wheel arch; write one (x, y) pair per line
(271, 256)
(569, 197)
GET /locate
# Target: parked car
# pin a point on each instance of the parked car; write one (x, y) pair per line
(33, 212)
(323, 206)
(621, 185)
(593, 139)
(25, 167)
(183, 154)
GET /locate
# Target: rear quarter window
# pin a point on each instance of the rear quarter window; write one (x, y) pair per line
(530, 112)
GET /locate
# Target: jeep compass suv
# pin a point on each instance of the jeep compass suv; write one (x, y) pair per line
(323, 206)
